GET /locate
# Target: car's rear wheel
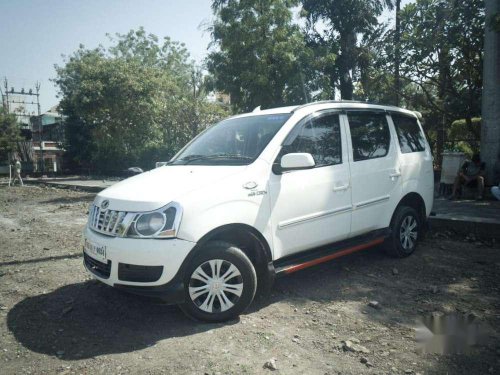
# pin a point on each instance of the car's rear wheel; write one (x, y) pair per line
(405, 232)
(220, 283)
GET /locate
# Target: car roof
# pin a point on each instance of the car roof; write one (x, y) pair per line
(342, 104)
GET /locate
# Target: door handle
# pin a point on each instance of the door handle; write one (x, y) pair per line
(395, 174)
(340, 188)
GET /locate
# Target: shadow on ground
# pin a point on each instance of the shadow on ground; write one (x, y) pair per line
(89, 319)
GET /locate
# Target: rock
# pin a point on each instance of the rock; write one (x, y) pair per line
(363, 360)
(67, 310)
(408, 371)
(374, 304)
(271, 364)
(395, 271)
(350, 346)
(296, 340)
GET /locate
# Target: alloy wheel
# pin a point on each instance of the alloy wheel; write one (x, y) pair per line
(215, 286)
(408, 232)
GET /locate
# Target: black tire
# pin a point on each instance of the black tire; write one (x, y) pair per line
(402, 242)
(209, 303)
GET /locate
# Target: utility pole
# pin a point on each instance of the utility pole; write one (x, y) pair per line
(40, 124)
(11, 98)
(6, 101)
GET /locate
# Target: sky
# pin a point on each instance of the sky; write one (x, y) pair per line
(34, 34)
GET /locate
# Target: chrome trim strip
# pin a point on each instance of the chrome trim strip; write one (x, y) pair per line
(318, 215)
(371, 202)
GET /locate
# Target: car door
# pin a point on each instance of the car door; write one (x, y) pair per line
(375, 170)
(312, 207)
(417, 173)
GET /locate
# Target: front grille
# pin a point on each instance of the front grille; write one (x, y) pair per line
(107, 222)
(99, 268)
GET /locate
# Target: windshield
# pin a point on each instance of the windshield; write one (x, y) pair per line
(235, 141)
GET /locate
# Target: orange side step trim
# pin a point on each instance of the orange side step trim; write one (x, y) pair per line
(338, 254)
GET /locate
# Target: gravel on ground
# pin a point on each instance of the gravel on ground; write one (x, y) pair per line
(355, 315)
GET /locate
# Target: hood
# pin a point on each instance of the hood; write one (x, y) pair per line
(154, 189)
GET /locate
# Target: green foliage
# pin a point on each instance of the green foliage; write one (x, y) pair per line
(10, 133)
(258, 56)
(464, 136)
(495, 22)
(460, 131)
(135, 103)
(441, 44)
(345, 20)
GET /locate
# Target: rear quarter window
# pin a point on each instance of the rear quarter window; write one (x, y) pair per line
(410, 136)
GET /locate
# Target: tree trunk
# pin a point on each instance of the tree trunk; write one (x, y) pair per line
(444, 63)
(490, 125)
(440, 139)
(347, 63)
(397, 54)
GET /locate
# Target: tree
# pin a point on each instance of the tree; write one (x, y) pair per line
(10, 134)
(257, 55)
(126, 105)
(397, 53)
(442, 40)
(344, 20)
(440, 64)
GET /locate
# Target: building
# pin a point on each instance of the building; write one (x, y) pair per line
(48, 140)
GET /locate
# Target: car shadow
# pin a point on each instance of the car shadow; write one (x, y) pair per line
(89, 319)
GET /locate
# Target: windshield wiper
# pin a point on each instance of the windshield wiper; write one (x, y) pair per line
(192, 158)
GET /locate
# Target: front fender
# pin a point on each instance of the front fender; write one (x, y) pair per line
(197, 221)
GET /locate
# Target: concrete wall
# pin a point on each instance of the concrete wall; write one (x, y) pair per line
(490, 127)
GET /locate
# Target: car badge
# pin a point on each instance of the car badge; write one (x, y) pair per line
(104, 204)
(250, 185)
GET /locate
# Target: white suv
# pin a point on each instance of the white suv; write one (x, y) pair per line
(259, 195)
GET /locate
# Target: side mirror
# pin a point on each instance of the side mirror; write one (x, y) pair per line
(296, 161)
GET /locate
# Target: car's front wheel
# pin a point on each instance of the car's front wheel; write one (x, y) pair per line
(220, 283)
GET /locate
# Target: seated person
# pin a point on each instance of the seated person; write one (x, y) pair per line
(470, 175)
(495, 190)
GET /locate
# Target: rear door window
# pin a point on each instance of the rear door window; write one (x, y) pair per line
(370, 135)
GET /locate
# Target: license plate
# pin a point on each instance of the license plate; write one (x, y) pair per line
(95, 251)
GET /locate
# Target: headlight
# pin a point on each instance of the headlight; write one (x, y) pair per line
(162, 223)
(150, 224)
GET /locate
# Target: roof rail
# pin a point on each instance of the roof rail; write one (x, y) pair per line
(339, 102)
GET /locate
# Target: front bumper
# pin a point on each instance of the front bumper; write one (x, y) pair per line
(154, 264)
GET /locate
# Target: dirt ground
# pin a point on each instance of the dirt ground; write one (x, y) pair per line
(55, 320)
